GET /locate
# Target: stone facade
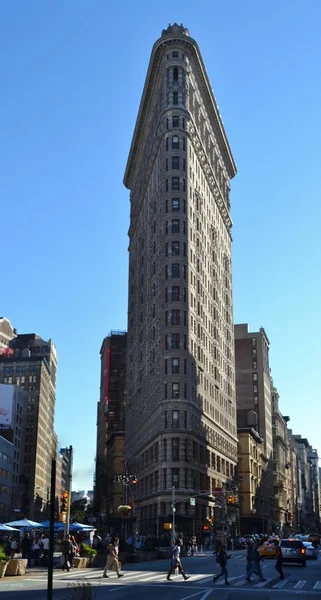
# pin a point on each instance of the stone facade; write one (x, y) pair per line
(250, 478)
(31, 364)
(253, 393)
(110, 457)
(181, 414)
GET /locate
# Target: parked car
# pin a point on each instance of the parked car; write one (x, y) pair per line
(310, 550)
(293, 551)
(249, 539)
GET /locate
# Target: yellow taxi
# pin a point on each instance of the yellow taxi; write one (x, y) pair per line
(268, 549)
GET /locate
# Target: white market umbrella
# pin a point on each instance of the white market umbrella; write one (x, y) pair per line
(23, 523)
(7, 528)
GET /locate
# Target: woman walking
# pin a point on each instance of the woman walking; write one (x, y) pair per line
(222, 561)
(176, 562)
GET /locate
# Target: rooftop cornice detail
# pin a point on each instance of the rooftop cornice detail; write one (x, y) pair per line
(160, 48)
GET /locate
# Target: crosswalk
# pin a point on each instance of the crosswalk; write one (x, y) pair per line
(159, 578)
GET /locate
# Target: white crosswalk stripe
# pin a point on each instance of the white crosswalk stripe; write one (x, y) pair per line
(223, 581)
(239, 583)
(262, 583)
(317, 586)
(280, 584)
(299, 585)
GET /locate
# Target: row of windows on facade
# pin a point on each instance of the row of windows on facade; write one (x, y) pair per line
(176, 449)
(19, 370)
(180, 479)
(19, 380)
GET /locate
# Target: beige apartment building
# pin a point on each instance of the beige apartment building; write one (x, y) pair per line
(250, 477)
(181, 413)
(282, 472)
(31, 363)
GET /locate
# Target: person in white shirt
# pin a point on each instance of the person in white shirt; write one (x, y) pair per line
(45, 548)
(176, 562)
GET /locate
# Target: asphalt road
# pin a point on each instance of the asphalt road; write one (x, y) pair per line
(148, 580)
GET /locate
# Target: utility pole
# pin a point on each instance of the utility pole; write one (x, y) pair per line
(173, 511)
(69, 482)
(51, 529)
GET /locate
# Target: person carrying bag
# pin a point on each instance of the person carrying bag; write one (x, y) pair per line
(112, 560)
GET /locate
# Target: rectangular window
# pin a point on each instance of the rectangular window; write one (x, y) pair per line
(166, 164)
(175, 162)
(165, 420)
(175, 341)
(175, 249)
(175, 183)
(175, 365)
(175, 270)
(166, 295)
(175, 121)
(175, 449)
(175, 317)
(165, 390)
(175, 390)
(175, 293)
(166, 185)
(175, 204)
(175, 54)
(175, 98)
(166, 343)
(175, 142)
(175, 419)
(175, 225)
(165, 366)
(254, 376)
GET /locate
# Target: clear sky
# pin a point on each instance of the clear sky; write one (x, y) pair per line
(72, 74)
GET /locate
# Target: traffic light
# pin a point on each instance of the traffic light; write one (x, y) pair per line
(230, 500)
(64, 502)
(134, 480)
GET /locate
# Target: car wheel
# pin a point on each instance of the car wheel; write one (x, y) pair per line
(304, 564)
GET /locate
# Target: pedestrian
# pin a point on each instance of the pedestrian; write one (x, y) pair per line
(112, 559)
(255, 564)
(14, 547)
(26, 547)
(279, 559)
(45, 548)
(248, 557)
(176, 562)
(222, 561)
(67, 553)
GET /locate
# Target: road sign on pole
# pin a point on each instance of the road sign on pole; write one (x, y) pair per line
(192, 501)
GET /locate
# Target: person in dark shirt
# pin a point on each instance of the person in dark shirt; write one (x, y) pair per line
(279, 557)
(222, 561)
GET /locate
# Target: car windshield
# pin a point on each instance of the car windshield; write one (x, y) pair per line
(307, 544)
(305, 538)
(291, 544)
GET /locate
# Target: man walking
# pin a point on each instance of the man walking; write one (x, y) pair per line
(222, 561)
(176, 562)
(67, 552)
(255, 564)
(112, 560)
(248, 557)
(279, 557)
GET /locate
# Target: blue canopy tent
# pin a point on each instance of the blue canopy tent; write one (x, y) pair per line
(23, 523)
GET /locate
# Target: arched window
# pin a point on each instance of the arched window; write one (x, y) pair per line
(175, 74)
(175, 142)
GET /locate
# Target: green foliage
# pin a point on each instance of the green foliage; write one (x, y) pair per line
(87, 552)
(3, 556)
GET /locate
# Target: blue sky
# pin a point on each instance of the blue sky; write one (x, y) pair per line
(72, 74)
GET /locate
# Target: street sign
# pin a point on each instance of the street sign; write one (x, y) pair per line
(192, 501)
(219, 501)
